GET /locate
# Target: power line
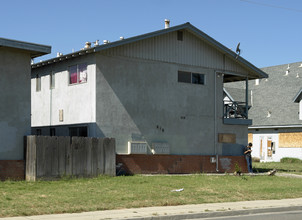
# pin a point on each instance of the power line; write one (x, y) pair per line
(272, 6)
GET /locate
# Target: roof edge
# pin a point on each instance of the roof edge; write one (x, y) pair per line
(34, 49)
(298, 97)
(274, 126)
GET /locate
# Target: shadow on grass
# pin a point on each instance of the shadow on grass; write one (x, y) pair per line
(265, 170)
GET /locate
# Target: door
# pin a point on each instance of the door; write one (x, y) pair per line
(269, 148)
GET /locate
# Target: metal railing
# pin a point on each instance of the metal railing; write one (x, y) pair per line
(235, 110)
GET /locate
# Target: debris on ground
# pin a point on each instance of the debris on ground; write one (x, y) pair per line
(272, 172)
(177, 190)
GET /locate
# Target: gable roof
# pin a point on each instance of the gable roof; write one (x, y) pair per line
(298, 97)
(35, 50)
(272, 99)
(187, 26)
(237, 94)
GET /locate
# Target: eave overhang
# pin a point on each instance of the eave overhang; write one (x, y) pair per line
(35, 50)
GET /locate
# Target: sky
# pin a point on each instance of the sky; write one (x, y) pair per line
(269, 31)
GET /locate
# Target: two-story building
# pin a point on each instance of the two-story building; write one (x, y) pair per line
(156, 93)
(15, 120)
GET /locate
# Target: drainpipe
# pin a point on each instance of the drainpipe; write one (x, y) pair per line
(215, 120)
(246, 96)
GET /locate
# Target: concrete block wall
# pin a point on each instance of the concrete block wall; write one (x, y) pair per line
(176, 164)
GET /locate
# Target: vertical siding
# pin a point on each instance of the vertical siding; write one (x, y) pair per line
(166, 48)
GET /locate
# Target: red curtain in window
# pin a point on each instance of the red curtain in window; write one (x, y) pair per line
(73, 74)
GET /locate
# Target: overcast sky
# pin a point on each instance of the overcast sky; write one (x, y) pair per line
(269, 31)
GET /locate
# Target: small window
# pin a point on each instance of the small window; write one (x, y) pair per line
(38, 83)
(78, 131)
(38, 132)
(198, 78)
(52, 80)
(188, 77)
(78, 74)
(184, 77)
(52, 132)
(180, 35)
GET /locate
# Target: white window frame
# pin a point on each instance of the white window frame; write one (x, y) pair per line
(81, 76)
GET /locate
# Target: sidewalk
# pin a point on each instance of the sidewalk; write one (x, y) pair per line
(179, 212)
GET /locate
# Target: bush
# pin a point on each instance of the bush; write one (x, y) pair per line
(255, 159)
(290, 160)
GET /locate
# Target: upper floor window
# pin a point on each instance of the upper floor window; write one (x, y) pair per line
(180, 35)
(188, 77)
(52, 80)
(78, 73)
(38, 83)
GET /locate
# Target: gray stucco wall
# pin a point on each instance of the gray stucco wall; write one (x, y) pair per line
(139, 100)
(15, 102)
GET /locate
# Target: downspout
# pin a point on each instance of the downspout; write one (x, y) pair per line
(215, 120)
(50, 105)
(246, 96)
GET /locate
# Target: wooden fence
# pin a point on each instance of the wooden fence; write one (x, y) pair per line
(53, 157)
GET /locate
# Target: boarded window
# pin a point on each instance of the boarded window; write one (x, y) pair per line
(293, 140)
(250, 137)
(227, 138)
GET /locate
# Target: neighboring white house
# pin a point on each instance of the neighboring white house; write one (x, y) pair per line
(276, 131)
(15, 71)
(160, 92)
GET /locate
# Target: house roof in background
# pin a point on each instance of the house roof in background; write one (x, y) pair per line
(35, 50)
(257, 73)
(272, 99)
(298, 97)
(237, 94)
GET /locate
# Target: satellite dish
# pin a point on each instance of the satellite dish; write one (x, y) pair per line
(238, 50)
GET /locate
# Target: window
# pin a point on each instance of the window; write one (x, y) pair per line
(38, 83)
(52, 80)
(198, 78)
(188, 77)
(78, 74)
(78, 131)
(179, 35)
(52, 132)
(38, 132)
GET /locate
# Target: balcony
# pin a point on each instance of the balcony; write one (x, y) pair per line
(235, 113)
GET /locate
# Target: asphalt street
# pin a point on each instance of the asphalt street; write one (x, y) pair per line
(286, 215)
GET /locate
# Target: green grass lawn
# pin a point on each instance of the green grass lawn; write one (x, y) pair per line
(102, 193)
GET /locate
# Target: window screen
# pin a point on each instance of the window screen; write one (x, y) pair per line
(184, 77)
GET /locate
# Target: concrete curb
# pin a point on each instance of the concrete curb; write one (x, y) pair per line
(179, 212)
(213, 214)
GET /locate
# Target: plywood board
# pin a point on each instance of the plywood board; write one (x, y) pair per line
(293, 140)
(227, 138)
(250, 137)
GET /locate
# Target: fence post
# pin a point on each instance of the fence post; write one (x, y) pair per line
(109, 154)
(30, 166)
